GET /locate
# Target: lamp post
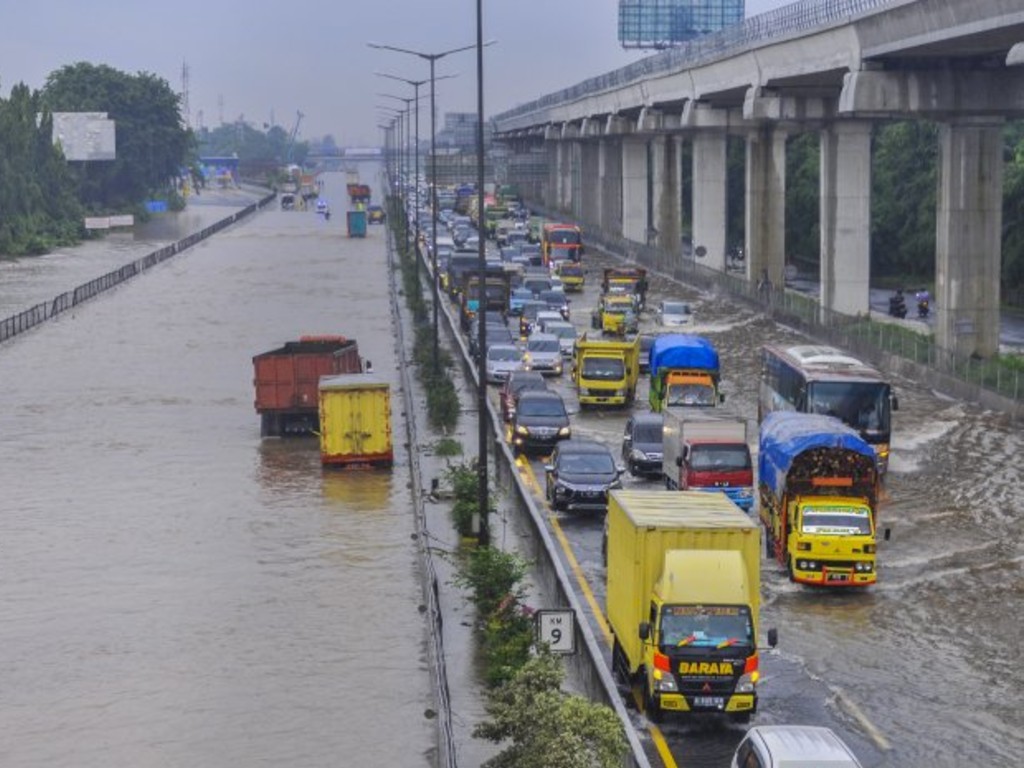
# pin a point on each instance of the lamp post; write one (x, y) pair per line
(432, 58)
(415, 173)
(399, 116)
(484, 536)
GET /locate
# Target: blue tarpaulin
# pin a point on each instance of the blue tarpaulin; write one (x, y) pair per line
(785, 435)
(679, 350)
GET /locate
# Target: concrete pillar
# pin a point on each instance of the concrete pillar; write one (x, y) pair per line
(969, 220)
(600, 217)
(846, 216)
(551, 196)
(665, 203)
(589, 198)
(709, 197)
(576, 179)
(634, 190)
(611, 191)
(766, 205)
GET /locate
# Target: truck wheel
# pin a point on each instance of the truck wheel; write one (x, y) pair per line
(741, 718)
(769, 544)
(652, 708)
(789, 568)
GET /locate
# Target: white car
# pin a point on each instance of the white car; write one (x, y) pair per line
(566, 333)
(779, 745)
(502, 359)
(673, 313)
(543, 354)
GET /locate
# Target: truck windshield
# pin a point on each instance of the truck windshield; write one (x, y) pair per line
(836, 520)
(606, 368)
(720, 458)
(690, 394)
(704, 626)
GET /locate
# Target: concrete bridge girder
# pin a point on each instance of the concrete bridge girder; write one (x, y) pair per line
(932, 94)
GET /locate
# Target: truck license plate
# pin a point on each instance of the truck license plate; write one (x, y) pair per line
(837, 576)
(709, 701)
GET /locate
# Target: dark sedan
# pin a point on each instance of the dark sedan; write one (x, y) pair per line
(539, 422)
(517, 383)
(580, 475)
(642, 444)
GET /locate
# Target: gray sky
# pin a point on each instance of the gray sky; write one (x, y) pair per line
(262, 59)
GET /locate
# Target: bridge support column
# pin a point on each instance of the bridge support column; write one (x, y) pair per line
(969, 219)
(551, 196)
(846, 216)
(766, 205)
(589, 198)
(709, 197)
(665, 189)
(610, 153)
(634, 190)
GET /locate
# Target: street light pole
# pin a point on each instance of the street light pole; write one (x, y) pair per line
(416, 172)
(484, 535)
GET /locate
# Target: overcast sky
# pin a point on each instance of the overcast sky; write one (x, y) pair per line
(266, 61)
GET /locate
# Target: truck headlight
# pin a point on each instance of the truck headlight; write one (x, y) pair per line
(521, 430)
(747, 682)
(664, 682)
(565, 431)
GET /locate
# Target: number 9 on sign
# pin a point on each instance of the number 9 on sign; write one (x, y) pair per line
(557, 630)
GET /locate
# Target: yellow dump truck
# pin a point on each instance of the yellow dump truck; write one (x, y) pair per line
(355, 420)
(683, 595)
(615, 314)
(605, 371)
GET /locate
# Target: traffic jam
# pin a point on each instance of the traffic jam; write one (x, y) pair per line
(720, 486)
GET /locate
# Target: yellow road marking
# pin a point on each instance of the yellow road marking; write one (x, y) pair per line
(656, 735)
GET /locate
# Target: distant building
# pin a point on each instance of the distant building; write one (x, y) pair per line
(666, 23)
(459, 131)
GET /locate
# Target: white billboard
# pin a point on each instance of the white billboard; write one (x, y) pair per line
(85, 135)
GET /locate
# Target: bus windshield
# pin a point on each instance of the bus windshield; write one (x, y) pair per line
(704, 626)
(863, 405)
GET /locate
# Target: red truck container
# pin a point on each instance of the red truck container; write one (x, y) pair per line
(287, 381)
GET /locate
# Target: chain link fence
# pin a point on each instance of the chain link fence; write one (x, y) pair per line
(996, 382)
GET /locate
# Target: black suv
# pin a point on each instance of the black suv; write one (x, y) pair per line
(642, 444)
(580, 475)
(539, 422)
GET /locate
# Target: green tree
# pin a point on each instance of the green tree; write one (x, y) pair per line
(803, 209)
(1013, 216)
(546, 727)
(903, 179)
(153, 145)
(38, 208)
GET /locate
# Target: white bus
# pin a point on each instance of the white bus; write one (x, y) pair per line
(820, 379)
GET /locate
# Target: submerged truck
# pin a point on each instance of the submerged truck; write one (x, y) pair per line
(355, 421)
(819, 486)
(683, 601)
(606, 371)
(707, 452)
(628, 280)
(684, 372)
(287, 381)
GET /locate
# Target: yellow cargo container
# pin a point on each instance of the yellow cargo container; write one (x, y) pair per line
(355, 420)
(683, 598)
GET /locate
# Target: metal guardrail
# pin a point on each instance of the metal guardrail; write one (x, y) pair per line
(40, 313)
(879, 342)
(786, 21)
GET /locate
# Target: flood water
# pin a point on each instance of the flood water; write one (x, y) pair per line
(175, 590)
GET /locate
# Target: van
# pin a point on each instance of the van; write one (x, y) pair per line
(778, 746)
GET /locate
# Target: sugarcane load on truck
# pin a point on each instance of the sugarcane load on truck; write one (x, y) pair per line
(819, 486)
(684, 373)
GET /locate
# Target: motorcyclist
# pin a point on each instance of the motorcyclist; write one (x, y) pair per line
(897, 304)
(924, 301)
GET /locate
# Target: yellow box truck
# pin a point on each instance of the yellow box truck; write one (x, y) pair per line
(355, 420)
(606, 371)
(683, 596)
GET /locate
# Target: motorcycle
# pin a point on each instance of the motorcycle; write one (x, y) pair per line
(898, 305)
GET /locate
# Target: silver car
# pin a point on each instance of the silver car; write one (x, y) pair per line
(544, 354)
(502, 359)
(673, 313)
(566, 333)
